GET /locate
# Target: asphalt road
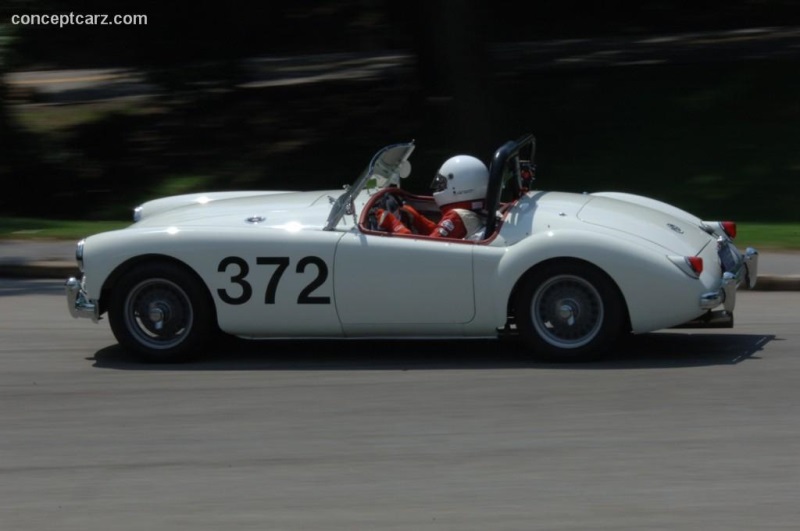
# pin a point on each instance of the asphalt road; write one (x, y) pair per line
(677, 430)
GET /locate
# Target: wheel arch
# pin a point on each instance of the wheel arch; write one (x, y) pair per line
(562, 261)
(129, 265)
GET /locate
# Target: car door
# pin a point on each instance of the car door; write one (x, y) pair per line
(387, 285)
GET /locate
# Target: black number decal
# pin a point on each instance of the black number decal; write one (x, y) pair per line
(322, 274)
(282, 262)
(244, 269)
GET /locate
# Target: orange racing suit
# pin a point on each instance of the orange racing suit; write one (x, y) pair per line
(457, 222)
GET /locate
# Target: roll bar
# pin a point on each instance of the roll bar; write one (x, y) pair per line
(505, 168)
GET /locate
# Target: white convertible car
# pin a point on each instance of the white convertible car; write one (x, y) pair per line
(566, 273)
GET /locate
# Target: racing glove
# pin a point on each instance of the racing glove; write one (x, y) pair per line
(389, 222)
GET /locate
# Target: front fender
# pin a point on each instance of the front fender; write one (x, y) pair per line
(106, 252)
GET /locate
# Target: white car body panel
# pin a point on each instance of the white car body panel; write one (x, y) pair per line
(205, 250)
(279, 210)
(164, 204)
(387, 285)
(653, 204)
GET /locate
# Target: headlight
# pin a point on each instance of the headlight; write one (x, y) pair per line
(79, 254)
(137, 214)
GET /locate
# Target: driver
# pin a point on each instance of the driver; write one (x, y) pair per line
(459, 190)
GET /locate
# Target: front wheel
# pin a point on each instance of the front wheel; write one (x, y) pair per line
(569, 312)
(161, 312)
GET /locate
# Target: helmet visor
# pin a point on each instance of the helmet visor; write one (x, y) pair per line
(439, 183)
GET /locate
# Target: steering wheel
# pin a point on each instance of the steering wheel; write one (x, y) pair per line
(389, 201)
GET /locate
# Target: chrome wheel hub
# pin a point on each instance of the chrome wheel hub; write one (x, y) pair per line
(158, 313)
(567, 311)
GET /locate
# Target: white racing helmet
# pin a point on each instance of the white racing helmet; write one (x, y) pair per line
(461, 178)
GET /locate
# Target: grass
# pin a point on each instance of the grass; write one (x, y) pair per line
(769, 235)
(775, 236)
(43, 119)
(53, 229)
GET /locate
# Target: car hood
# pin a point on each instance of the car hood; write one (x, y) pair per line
(221, 209)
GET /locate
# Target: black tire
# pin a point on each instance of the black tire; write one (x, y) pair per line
(162, 313)
(569, 312)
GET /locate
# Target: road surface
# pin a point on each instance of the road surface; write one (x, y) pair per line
(677, 430)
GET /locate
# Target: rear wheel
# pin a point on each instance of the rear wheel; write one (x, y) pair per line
(568, 312)
(161, 312)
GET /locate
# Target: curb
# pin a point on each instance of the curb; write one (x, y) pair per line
(42, 270)
(777, 283)
(64, 270)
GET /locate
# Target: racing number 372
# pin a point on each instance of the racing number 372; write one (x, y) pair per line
(281, 263)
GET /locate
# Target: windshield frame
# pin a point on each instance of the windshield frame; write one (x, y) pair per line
(386, 165)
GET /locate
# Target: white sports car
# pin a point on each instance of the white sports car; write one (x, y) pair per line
(566, 273)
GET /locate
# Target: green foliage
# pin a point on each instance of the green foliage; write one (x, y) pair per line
(717, 137)
(6, 40)
(769, 235)
(110, 156)
(720, 143)
(30, 228)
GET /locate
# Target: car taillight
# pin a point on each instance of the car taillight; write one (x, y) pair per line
(720, 228)
(691, 265)
(729, 227)
(696, 263)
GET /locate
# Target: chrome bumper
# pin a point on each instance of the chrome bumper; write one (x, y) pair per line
(78, 303)
(737, 268)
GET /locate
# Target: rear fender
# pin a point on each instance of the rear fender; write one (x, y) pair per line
(656, 293)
